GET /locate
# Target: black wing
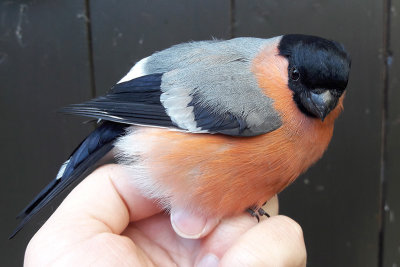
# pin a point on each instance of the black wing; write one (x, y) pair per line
(133, 102)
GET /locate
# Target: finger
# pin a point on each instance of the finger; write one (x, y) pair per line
(228, 231)
(139, 207)
(222, 238)
(194, 226)
(191, 226)
(277, 241)
(90, 220)
(106, 201)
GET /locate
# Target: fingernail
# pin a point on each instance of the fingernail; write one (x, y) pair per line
(191, 226)
(209, 260)
(187, 225)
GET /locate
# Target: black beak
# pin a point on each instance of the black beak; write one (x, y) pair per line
(320, 102)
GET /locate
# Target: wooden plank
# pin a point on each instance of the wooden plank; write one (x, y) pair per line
(391, 245)
(43, 66)
(126, 31)
(336, 201)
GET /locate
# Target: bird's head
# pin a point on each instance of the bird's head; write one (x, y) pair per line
(318, 72)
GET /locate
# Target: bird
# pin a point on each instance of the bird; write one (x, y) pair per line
(214, 127)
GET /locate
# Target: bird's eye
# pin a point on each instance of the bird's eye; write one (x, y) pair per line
(294, 74)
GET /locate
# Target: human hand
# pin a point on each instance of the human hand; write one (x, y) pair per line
(105, 221)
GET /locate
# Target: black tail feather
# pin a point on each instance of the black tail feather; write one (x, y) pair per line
(38, 198)
(91, 150)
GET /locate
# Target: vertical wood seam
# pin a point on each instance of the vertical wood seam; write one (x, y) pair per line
(90, 52)
(90, 48)
(384, 117)
(233, 19)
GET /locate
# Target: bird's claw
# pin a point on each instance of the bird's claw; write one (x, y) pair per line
(254, 212)
(263, 212)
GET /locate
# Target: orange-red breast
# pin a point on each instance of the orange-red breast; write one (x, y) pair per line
(215, 127)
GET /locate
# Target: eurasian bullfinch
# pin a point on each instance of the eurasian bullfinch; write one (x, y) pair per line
(214, 127)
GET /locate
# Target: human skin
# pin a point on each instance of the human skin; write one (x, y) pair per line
(105, 221)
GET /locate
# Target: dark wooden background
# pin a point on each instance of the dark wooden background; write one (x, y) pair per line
(54, 52)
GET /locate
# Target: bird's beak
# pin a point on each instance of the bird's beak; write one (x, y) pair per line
(320, 103)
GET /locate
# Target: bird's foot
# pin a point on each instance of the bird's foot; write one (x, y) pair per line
(263, 212)
(254, 212)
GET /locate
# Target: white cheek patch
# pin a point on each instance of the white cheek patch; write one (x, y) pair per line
(137, 71)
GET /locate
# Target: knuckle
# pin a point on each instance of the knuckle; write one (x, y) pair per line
(295, 234)
(292, 226)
